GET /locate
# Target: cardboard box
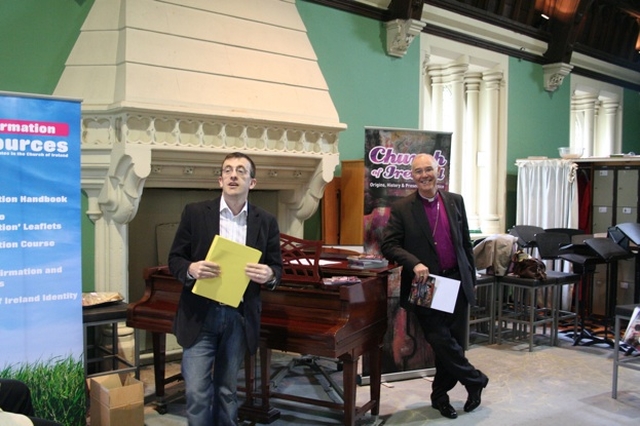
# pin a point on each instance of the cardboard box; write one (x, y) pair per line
(115, 402)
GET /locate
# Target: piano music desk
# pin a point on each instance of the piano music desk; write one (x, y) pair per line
(110, 314)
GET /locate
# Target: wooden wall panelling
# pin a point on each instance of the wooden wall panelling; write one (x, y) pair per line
(331, 212)
(352, 203)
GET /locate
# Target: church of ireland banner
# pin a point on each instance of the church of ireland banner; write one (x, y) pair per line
(387, 160)
(40, 258)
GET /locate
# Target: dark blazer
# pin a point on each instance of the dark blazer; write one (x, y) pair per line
(408, 241)
(199, 224)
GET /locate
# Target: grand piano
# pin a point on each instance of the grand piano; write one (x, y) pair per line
(305, 315)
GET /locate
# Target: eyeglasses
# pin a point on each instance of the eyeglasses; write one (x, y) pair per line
(240, 171)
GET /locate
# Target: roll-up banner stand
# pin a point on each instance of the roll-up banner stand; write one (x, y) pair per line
(387, 161)
(41, 339)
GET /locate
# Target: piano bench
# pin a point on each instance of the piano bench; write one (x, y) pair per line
(109, 359)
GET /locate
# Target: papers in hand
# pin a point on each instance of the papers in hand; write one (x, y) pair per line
(232, 257)
(436, 293)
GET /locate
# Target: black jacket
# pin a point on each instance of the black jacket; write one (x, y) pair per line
(408, 241)
(199, 224)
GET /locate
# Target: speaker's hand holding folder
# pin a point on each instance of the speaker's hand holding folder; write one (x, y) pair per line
(232, 257)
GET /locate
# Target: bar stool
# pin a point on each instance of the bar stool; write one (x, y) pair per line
(484, 311)
(108, 314)
(623, 312)
(550, 247)
(526, 315)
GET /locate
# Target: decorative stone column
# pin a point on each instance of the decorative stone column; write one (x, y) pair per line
(607, 138)
(452, 77)
(118, 202)
(585, 106)
(437, 86)
(455, 82)
(470, 159)
(488, 154)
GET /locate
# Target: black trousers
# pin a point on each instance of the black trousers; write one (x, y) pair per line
(15, 397)
(446, 335)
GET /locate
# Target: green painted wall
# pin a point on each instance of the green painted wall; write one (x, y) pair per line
(37, 38)
(368, 87)
(538, 122)
(631, 121)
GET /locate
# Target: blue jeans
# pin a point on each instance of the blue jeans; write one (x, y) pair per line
(210, 368)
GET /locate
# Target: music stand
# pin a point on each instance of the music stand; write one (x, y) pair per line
(611, 252)
(585, 257)
(584, 263)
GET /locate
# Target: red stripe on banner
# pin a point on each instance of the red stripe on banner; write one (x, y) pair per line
(38, 128)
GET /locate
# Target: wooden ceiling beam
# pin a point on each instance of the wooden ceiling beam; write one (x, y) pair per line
(405, 9)
(564, 29)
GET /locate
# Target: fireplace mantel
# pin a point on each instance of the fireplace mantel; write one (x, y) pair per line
(170, 87)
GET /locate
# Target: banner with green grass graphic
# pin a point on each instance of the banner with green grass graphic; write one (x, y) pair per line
(40, 252)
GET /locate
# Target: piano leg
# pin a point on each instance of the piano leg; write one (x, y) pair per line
(265, 413)
(159, 357)
(349, 372)
(375, 366)
(249, 410)
(349, 376)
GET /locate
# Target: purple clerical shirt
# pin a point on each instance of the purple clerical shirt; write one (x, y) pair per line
(441, 232)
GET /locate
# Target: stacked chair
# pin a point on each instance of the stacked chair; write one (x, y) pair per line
(492, 256)
(534, 302)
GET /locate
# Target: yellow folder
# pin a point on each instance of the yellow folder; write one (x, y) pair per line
(232, 257)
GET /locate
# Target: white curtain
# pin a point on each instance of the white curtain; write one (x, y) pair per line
(548, 197)
(547, 194)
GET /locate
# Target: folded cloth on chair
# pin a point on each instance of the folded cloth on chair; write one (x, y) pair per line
(495, 252)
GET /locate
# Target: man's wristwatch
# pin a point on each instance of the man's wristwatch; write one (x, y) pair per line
(272, 283)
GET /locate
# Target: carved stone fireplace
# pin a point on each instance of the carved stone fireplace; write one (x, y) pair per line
(169, 87)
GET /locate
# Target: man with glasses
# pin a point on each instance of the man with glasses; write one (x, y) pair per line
(215, 336)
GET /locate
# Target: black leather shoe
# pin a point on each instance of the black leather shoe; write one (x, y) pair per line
(445, 409)
(474, 399)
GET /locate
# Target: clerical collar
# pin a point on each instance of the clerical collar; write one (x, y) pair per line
(431, 200)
